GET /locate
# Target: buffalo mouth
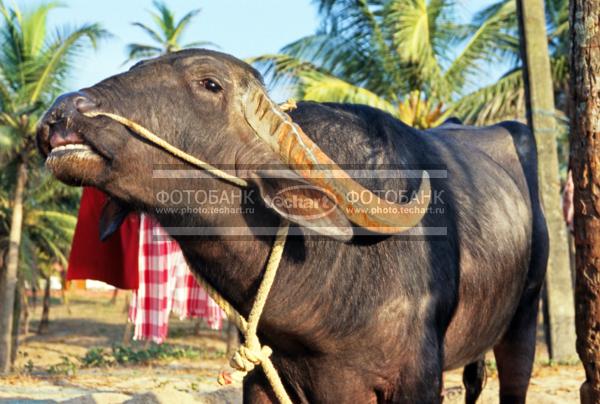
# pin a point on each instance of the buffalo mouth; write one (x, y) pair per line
(71, 158)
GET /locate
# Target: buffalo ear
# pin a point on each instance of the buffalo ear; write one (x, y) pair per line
(298, 201)
(112, 216)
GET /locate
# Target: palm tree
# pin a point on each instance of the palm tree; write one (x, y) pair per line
(506, 97)
(49, 218)
(397, 55)
(167, 34)
(34, 66)
(539, 91)
(48, 227)
(412, 59)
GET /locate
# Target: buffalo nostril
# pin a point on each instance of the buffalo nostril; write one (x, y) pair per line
(83, 104)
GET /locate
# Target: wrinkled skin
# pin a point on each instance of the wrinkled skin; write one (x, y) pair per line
(373, 319)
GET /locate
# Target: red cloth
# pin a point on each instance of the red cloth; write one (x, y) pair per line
(114, 261)
(166, 285)
(567, 200)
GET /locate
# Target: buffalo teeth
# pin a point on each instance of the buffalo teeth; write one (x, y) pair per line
(72, 147)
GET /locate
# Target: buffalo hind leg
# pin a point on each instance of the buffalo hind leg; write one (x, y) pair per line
(473, 377)
(515, 352)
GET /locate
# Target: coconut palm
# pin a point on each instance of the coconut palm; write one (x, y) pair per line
(506, 97)
(34, 66)
(412, 59)
(383, 52)
(166, 36)
(49, 218)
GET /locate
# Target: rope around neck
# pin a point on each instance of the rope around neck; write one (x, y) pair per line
(152, 138)
(251, 353)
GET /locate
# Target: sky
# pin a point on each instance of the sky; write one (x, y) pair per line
(243, 28)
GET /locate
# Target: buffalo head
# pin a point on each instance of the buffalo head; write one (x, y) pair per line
(214, 107)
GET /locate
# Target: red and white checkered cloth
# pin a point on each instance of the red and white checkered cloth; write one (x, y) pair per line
(165, 285)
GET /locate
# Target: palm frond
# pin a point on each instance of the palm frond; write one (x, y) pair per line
(136, 51)
(182, 25)
(51, 246)
(322, 88)
(6, 95)
(48, 193)
(33, 28)
(413, 26)
(167, 35)
(557, 12)
(325, 7)
(342, 55)
(9, 141)
(504, 99)
(9, 120)
(164, 19)
(58, 220)
(364, 32)
(152, 33)
(58, 55)
(283, 69)
(28, 251)
(483, 41)
(12, 46)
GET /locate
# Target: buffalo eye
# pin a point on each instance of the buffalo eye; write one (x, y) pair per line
(211, 85)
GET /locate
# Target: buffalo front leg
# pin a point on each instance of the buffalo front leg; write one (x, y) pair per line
(257, 389)
(427, 389)
(473, 376)
(515, 352)
(420, 380)
(327, 386)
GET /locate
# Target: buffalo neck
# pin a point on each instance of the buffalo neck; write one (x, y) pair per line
(233, 265)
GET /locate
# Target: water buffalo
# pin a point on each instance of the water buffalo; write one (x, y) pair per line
(353, 316)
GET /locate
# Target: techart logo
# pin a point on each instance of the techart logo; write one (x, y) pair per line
(306, 202)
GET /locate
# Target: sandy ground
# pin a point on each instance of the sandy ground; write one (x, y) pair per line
(94, 322)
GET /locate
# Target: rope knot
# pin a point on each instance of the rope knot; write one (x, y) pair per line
(246, 358)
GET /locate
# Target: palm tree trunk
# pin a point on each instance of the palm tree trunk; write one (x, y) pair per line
(113, 299)
(9, 281)
(34, 290)
(25, 312)
(541, 119)
(585, 149)
(16, 322)
(45, 320)
(64, 289)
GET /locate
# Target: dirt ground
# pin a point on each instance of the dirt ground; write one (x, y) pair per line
(50, 368)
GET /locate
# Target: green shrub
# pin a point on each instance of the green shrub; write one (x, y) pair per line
(97, 357)
(66, 368)
(126, 355)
